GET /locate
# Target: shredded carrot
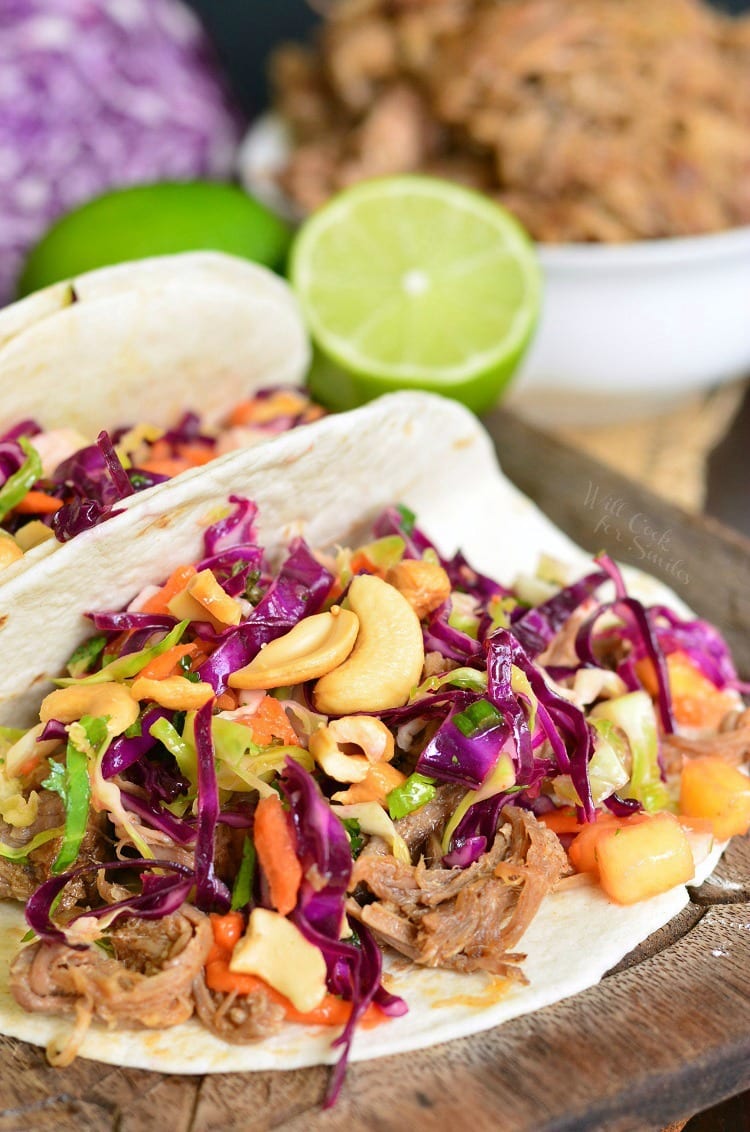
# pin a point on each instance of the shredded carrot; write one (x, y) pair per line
(561, 821)
(227, 701)
(168, 664)
(270, 722)
(274, 844)
(244, 413)
(116, 645)
(332, 1011)
(160, 450)
(38, 503)
(176, 582)
(227, 930)
(196, 454)
(171, 466)
(361, 562)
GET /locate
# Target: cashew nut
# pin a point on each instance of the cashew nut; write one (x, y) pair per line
(275, 949)
(175, 692)
(425, 585)
(364, 731)
(111, 700)
(381, 779)
(387, 659)
(10, 551)
(313, 647)
(203, 599)
(206, 590)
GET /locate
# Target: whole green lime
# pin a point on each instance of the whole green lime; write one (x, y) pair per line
(152, 220)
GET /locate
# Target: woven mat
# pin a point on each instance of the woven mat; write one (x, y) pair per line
(667, 453)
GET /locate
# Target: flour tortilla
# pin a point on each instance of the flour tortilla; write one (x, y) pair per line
(327, 482)
(146, 341)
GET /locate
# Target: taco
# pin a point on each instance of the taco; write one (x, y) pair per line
(317, 766)
(207, 346)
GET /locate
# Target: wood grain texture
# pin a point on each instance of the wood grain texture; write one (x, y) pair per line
(663, 1036)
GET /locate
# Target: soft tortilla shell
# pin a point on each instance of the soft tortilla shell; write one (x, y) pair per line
(326, 482)
(200, 331)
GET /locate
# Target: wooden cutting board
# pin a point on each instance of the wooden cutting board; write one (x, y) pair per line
(664, 1035)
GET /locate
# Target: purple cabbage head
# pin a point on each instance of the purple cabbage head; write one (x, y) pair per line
(98, 96)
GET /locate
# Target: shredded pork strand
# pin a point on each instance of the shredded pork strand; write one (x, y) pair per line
(147, 981)
(464, 919)
(731, 743)
(593, 120)
(19, 879)
(237, 1018)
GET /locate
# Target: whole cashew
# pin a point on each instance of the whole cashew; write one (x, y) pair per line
(111, 700)
(387, 658)
(174, 692)
(313, 647)
(327, 746)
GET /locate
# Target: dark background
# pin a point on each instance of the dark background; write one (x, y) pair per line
(244, 32)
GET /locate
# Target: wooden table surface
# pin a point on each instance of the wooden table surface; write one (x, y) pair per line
(666, 1034)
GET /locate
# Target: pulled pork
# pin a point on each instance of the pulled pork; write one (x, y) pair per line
(147, 981)
(237, 1018)
(464, 919)
(18, 879)
(731, 743)
(593, 120)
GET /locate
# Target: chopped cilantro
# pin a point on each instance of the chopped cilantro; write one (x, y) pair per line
(408, 518)
(354, 833)
(253, 592)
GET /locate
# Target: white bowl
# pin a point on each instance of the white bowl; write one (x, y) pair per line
(632, 328)
(626, 329)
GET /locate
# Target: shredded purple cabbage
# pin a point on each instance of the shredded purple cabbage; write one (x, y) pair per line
(53, 729)
(321, 841)
(451, 643)
(124, 751)
(353, 972)
(639, 631)
(107, 622)
(160, 896)
(27, 427)
(210, 892)
(299, 591)
(565, 724)
(158, 818)
(117, 473)
(235, 529)
(134, 87)
(12, 457)
(699, 640)
(451, 756)
(622, 807)
(159, 776)
(535, 628)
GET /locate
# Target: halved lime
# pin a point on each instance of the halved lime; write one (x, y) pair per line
(152, 220)
(415, 282)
